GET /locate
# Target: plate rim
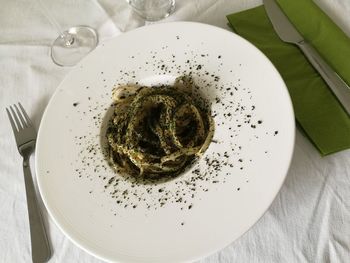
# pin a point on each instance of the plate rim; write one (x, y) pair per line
(74, 239)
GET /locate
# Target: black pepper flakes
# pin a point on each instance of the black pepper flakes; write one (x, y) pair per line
(185, 191)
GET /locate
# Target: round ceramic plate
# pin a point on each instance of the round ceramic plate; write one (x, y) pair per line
(204, 209)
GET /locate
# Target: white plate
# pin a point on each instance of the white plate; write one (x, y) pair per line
(253, 145)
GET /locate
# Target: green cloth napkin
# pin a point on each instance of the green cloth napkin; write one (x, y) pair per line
(319, 30)
(317, 111)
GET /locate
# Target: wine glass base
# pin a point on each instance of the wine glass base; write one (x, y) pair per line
(153, 10)
(72, 45)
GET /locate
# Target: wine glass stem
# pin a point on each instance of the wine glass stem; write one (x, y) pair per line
(50, 17)
(68, 38)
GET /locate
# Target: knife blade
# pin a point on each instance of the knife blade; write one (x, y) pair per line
(288, 33)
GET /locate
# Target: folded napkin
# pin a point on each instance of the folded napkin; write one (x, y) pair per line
(317, 111)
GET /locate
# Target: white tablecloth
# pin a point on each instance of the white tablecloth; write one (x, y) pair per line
(308, 222)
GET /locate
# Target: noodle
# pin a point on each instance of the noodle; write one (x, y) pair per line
(157, 131)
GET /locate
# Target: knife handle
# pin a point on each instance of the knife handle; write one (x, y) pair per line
(340, 89)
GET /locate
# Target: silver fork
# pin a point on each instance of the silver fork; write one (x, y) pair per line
(25, 136)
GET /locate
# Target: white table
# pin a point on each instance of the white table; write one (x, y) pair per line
(308, 222)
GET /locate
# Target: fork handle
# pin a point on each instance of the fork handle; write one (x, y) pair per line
(39, 242)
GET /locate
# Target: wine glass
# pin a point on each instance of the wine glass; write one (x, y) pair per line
(72, 44)
(153, 10)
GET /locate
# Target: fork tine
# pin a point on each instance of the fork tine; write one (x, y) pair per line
(29, 122)
(16, 118)
(20, 115)
(14, 128)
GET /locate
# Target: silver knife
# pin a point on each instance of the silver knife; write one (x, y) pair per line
(287, 32)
